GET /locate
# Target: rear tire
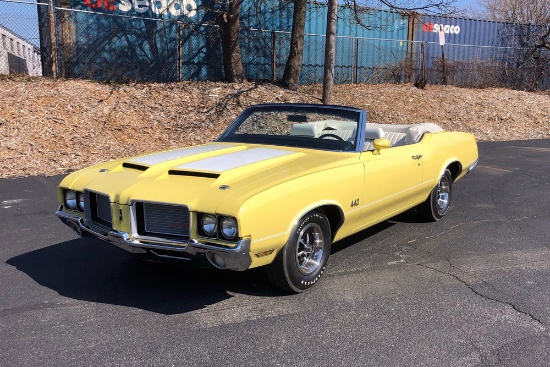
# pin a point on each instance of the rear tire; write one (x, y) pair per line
(437, 204)
(302, 261)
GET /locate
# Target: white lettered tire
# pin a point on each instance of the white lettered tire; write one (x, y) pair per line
(302, 261)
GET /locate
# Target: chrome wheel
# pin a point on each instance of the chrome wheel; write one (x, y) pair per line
(443, 193)
(309, 251)
(437, 204)
(303, 259)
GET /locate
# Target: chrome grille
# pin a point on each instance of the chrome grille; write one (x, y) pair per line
(162, 220)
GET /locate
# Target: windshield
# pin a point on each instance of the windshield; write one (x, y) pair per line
(306, 126)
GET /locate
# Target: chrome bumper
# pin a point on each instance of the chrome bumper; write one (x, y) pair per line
(236, 258)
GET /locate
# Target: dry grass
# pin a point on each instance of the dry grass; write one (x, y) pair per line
(49, 127)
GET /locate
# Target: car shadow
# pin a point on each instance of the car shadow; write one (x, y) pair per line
(94, 271)
(360, 236)
(410, 216)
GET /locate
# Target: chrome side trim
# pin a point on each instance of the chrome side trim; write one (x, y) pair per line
(236, 258)
(473, 165)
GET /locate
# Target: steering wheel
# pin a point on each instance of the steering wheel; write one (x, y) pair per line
(328, 135)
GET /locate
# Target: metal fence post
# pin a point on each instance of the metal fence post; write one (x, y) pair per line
(355, 78)
(444, 66)
(273, 56)
(180, 51)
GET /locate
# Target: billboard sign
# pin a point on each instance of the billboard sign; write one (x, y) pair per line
(153, 8)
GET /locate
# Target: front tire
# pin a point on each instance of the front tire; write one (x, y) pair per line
(302, 261)
(437, 204)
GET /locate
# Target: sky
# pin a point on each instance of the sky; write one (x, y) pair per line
(466, 4)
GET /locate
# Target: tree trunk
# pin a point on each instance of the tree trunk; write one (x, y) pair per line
(153, 66)
(291, 76)
(229, 30)
(330, 46)
(47, 51)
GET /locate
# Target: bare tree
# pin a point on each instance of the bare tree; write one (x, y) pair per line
(228, 22)
(532, 34)
(517, 11)
(291, 75)
(432, 6)
(330, 47)
(360, 8)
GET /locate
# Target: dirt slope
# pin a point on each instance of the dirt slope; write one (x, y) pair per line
(49, 127)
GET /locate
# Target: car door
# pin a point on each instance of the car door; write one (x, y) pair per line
(393, 180)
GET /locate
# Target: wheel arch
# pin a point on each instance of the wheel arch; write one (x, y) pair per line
(455, 168)
(287, 271)
(335, 216)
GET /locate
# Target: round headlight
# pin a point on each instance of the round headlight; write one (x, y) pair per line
(81, 201)
(70, 199)
(209, 224)
(229, 228)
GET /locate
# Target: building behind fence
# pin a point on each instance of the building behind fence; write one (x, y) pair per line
(17, 55)
(174, 40)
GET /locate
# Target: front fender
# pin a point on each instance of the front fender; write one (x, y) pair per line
(269, 216)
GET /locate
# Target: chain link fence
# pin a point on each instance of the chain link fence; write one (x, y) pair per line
(479, 66)
(114, 47)
(19, 41)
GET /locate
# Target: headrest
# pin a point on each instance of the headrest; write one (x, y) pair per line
(307, 129)
(372, 132)
(415, 132)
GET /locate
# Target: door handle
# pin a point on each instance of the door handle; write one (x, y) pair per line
(418, 156)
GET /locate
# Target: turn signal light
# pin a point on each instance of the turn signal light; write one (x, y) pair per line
(265, 253)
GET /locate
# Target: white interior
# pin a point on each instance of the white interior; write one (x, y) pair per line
(396, 134)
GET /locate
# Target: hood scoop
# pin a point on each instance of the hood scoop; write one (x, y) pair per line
(193, 174)
(138, 167)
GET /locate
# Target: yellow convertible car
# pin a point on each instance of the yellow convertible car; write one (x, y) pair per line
(276, 189)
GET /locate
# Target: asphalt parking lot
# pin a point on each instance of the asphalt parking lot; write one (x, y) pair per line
(470, 290)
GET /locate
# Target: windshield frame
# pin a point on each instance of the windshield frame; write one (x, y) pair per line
(300, 141)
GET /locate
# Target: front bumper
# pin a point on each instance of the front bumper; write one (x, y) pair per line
(235, 258)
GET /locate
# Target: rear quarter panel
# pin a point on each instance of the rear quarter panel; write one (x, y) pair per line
(440, 151)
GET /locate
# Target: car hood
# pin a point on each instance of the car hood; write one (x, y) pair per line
(204, 176)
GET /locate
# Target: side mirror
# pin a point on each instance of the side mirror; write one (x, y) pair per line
(380, 144)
